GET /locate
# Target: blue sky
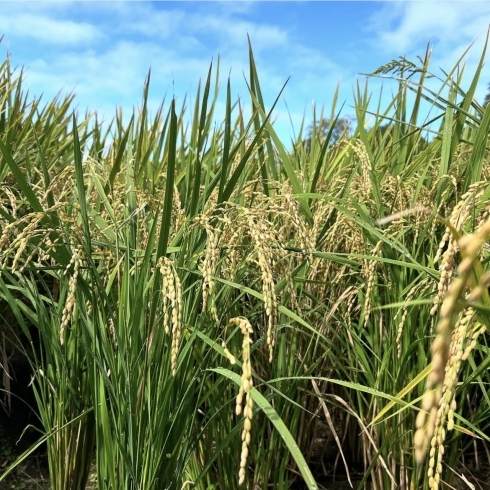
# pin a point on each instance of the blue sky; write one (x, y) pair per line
(103, 50)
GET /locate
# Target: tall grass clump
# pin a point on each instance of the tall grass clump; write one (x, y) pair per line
(203, 306)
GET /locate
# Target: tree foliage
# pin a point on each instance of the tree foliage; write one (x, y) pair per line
(342, 128)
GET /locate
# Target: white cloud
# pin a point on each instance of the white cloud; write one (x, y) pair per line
(441, 22)
(407, 27)
(29, 23)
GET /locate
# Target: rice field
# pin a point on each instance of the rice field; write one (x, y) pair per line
(208, 307)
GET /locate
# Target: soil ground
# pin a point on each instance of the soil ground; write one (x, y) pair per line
(32, 474)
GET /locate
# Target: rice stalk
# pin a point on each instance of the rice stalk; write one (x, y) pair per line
(447, 353)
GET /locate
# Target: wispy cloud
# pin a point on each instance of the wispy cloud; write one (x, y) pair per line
(51, 31)
(403, 26)
(48, 25)
(449, 27)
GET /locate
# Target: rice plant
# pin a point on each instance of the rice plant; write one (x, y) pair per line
(203, 307)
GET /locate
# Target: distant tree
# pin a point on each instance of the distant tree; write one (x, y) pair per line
(487, 97)
(342, 129)
(383, 129)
